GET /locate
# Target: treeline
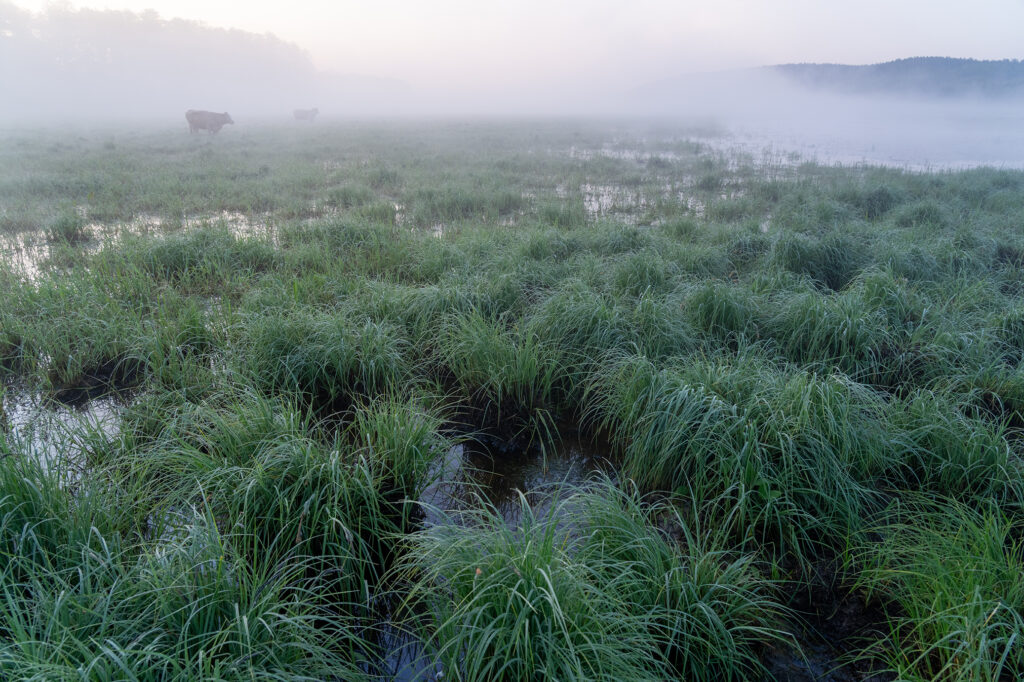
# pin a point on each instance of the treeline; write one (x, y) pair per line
(932, 76)
(74, 62)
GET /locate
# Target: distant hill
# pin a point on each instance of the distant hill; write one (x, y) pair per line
(930, 76)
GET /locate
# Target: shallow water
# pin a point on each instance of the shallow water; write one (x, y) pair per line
(406, 659)
(926, 149)
(492, 472)
(838, 638)
(606, 200)
(28, 251)
(625, 151)
(52, 431)
(25, 252)
(240, 224)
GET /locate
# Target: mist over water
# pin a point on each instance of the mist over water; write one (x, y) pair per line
(761, 111)
(66, 67)
(915, 134)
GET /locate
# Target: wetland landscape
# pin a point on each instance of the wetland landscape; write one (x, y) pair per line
(480, 399)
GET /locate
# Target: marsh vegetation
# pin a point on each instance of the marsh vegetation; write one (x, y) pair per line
(769, 410)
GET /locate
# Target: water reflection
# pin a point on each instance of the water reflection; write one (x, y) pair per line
(29, 253)
(479, 470)
(55, 433)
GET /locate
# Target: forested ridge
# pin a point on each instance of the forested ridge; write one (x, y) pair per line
(940, 76)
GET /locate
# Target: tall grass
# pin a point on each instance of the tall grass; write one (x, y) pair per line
(615, 598)
(324, 360)
(81, 597)
(513, 374)
(402, 440)
(799, 361)
(710, 610)
(953, 574)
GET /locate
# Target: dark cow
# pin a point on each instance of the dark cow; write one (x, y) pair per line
(305, 114)
(206, 120)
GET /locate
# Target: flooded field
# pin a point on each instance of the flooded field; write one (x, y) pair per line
(498, 401)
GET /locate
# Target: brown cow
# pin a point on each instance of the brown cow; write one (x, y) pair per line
(305, 114)
(206, 120)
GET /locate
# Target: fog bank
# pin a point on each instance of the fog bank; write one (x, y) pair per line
(87, 66)
(72, 65)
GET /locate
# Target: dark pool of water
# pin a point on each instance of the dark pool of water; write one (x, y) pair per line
(488, 470)
(838, 637)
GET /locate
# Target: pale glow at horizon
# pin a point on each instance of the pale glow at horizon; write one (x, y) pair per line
(547, 45)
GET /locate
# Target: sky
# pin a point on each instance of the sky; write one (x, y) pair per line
(548, 45)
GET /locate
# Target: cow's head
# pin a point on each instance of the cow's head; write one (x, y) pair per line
(227, 117)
